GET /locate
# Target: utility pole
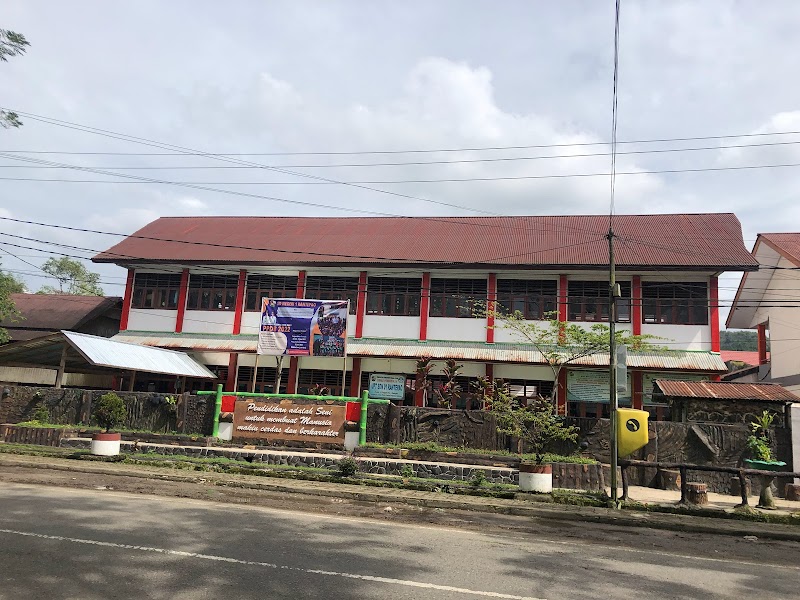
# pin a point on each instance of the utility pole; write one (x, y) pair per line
(613, 293)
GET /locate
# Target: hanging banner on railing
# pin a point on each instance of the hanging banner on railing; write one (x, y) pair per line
(299, 327)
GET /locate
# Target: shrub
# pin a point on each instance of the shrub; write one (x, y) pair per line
(41, 414)
(347, 467)
(478, 478)
(109, 411)
(758, 441)
(407, 471)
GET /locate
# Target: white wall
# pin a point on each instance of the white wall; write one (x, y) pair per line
(151, 319)
(468, 330)
(211, 358)
(251, 321)
(208, 321)
(528, 372)
(388, 365)
(680, 337)
(784, 323)
(380, 326)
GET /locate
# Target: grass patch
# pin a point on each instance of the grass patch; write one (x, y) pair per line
(434, 447)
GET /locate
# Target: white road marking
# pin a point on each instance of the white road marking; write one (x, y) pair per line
(227, 559)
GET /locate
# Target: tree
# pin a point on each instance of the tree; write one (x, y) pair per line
(450, 392)
(561, 343)
(536, 424)
(73, 278)
(8, 285)
(11, 44)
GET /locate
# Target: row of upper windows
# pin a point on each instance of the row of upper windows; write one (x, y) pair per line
(676, 303)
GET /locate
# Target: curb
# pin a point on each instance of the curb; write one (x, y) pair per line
(433, 500)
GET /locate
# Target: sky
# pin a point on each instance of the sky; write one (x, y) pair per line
(269, 79)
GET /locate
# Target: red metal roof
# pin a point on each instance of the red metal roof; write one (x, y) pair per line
(46, 313)
(713, 390)
(788, 244)
(748, 358)
(683, 241)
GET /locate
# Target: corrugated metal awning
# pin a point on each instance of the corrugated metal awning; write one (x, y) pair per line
(711, 390)
(90, 353)
(708, 362)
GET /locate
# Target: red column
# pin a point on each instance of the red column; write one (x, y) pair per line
(301, 284)
(562, 304)
(636, 305)
(184, 290)
(291, 379)
(126, 302)
(490, 371)
(637, 398)
(491, 305)
(424, 306)
(762, 343)
(713, 297)
(233, 364)
(562, 392)
(361, 303)
(355, 378)
(237, 316)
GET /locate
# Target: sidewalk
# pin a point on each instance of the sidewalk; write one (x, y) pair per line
(14, 468)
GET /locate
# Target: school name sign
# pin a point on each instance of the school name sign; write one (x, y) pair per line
(287, 420)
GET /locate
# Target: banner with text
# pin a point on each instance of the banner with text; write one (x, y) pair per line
(303, 327)
(287, 420)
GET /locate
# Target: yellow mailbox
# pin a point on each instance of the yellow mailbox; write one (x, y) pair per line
(631, 430)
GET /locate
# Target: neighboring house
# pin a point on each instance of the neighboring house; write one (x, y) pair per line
(196, 283)
(43, 314)
(769, 300)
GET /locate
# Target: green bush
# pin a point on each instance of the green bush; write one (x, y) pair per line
(41, 414)
(407, 471)
(347, 467)
(109, 411)
(478, 478)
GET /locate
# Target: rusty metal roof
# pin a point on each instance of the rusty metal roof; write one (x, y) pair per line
(42, 314)
(686, 241)
(707, 362)
(788, 244)
(713, 390)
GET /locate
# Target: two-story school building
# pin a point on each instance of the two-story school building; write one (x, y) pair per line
(196, 283)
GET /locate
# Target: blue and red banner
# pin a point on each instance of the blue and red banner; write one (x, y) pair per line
(297, 327)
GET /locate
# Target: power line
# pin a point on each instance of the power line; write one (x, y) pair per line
(181, 149)
(394, 181)
(415, 151)
(433, 162)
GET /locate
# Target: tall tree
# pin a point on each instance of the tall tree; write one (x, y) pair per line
(73, 278)
(561, 343)
(8, 285)
(11, 44)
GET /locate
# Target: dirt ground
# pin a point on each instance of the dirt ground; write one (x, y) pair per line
(216, 487)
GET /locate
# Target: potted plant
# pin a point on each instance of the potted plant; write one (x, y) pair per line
(536, 425)
(761, 458)
(109, 413)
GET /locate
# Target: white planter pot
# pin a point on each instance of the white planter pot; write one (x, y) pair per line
(351, 440)
(106, 444)
(225, 431)
(536, 478)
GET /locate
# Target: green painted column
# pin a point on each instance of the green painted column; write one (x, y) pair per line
(217, 410)
(362, 426)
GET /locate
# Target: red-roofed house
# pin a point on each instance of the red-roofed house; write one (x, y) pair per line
(769, 300)
(195, 283)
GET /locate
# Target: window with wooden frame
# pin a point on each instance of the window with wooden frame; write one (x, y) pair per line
(212, 292)
(268, 286)
(534, 300)
(156, 290)
(675, 303)
(396, 296)
(310, 378)
(333, 288)
(457, 297)
(588, 301)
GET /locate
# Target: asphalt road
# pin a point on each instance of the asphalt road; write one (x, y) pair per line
(66, 543)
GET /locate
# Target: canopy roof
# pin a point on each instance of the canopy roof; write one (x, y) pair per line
(92, 354)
